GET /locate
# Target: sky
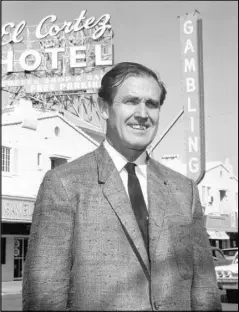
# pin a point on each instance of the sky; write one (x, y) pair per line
(148, 32)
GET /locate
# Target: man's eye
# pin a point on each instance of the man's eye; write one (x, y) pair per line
(152, 104)
(133, 102)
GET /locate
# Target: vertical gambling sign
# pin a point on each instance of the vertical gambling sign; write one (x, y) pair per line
(193, 94)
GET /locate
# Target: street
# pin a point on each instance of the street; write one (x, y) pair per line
(13, 303)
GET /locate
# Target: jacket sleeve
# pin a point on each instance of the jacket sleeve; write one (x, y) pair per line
(48, 261)
(204, 293)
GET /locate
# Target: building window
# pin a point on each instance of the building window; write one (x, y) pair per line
(223, 195)
(209, 196)
(105, 50)
(233, 219)
(224, 203)
(6, 159)
(3, 250)
(20, 250)
(203, 195)
(207, 199)
(57, 131)
(56, 161)
(38, 159)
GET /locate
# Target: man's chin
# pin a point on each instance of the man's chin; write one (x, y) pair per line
(139, 144)
(139, 147)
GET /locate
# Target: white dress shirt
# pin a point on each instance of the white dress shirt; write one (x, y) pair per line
(141, 169)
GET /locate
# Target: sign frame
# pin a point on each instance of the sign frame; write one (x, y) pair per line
(193, 94)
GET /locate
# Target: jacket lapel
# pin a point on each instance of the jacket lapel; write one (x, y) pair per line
(158, 195)
(115, 193)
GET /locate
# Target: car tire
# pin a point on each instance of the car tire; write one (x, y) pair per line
(232, 296)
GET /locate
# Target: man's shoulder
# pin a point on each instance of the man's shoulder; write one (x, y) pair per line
(79, 167)
(169, 173)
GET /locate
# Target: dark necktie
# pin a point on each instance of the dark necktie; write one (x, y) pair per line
(137, 202)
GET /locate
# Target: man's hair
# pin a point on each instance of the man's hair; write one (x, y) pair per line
(115, 77)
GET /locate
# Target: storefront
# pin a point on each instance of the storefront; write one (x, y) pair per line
(36, 153)
(222, 231)
(233, 238)
(15, 230)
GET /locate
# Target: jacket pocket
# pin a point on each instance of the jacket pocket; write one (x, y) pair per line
(183, 249)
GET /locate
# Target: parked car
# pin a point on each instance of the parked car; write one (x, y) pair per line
(229, 253)
(227, 278)
(219, 257)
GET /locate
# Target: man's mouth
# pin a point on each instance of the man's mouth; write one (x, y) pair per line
(139, 127)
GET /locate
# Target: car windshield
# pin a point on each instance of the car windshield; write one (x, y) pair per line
(229, 252)
(235, 260)
(217, 254)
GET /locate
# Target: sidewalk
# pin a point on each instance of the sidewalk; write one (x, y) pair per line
(10, 288)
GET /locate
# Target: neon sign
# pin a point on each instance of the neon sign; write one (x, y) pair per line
(66, 49)
(76, 59)
(81, 23)
(192, 94)
(58, 65)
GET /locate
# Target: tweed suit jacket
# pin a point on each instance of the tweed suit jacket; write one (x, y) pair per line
(86, 251)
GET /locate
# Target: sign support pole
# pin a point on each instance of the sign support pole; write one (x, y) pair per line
(151, 148)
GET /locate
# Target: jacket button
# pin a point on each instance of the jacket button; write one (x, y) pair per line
(156, 305)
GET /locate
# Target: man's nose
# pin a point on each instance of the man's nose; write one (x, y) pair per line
(141, 111)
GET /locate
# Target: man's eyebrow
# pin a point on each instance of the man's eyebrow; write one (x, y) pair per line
(131, 97)
(138, 99)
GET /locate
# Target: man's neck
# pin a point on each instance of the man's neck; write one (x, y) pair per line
(130, 154)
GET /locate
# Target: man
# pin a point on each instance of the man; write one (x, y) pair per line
(114, 229)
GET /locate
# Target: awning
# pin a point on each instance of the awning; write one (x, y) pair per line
(218, 235)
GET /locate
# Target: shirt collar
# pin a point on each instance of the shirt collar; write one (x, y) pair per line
(119, 160)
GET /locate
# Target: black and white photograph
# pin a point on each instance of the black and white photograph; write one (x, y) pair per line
(119, 156)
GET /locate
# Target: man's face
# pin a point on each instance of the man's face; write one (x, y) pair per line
(132, 119)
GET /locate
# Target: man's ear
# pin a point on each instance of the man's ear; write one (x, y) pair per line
(104, 108)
